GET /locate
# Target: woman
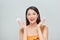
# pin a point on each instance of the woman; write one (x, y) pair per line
(34, 29)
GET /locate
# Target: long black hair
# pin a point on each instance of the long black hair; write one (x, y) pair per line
(36, 10)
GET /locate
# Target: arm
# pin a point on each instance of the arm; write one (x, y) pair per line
(44, 35)
(22, 34)
(40, 34)
(25, 34)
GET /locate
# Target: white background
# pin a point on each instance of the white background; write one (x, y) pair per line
(11, 9)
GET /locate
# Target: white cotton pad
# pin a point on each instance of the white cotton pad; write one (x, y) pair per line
(44, 19)
(18, 19)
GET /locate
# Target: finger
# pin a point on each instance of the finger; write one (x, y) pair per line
(43, 20)
(20, 23)
(18, 19)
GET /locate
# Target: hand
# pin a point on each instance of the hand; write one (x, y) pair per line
(42, 21)
(20, 23)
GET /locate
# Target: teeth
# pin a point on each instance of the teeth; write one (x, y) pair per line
(31, 19)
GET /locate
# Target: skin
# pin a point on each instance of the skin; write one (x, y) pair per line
(33, 29)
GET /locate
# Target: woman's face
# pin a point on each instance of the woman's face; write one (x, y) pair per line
(32, 16)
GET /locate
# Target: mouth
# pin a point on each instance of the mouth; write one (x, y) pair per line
(31, 19)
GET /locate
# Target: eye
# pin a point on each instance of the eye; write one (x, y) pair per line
(28, 14)
(34, 14)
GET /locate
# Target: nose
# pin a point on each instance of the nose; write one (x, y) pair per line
(31, 16)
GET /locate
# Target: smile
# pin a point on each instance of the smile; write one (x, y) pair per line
(31, 19)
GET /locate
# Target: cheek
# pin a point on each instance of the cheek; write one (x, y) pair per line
(35, 17)
(28, 17)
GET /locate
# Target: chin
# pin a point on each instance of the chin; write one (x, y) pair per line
(32, 22)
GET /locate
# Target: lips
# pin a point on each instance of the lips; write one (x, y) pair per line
(31, 19)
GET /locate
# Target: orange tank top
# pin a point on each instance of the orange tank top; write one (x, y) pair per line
(32, 38)
(35, 37)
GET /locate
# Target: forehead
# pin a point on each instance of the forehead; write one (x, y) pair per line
(31, 11)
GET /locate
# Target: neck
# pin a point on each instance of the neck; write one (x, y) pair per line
(33, 25)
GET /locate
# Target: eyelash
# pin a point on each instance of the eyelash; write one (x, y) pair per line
(33, 13)
(30, 14)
